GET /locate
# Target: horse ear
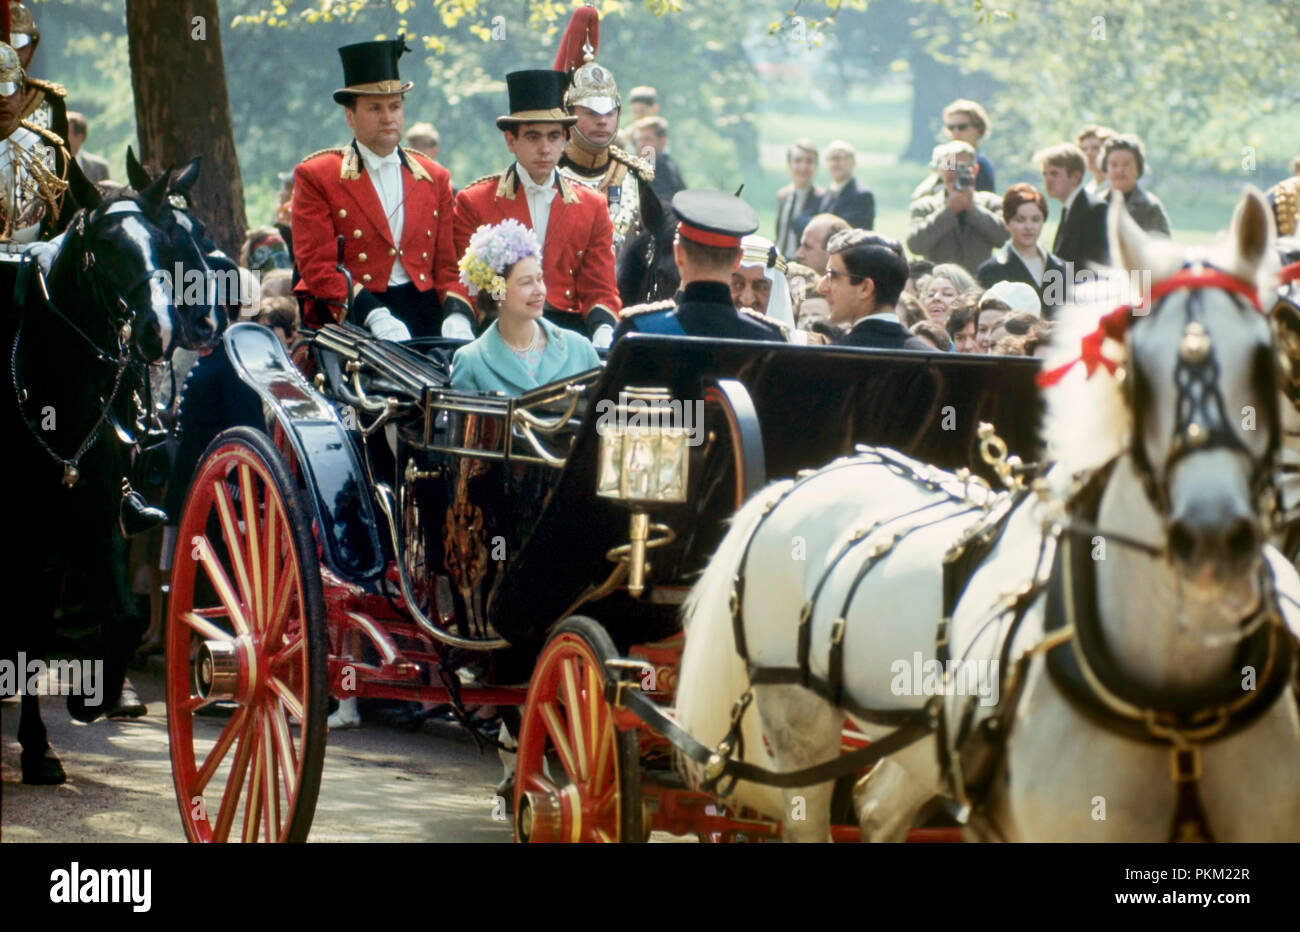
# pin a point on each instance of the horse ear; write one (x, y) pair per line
(1129, 243)
(1253, 231)
(155, 192)
(186, 177)
(1133, 250)
(135, 173)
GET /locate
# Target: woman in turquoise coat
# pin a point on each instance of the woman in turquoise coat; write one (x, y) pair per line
(520, 350)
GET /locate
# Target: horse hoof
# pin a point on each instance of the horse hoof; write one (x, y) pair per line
(83, 711)
(129, 705)
(43, 771)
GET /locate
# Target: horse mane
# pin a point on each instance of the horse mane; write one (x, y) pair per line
(1087, 421)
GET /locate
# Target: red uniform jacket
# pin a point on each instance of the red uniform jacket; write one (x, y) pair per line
(332, 195)
(578, 255)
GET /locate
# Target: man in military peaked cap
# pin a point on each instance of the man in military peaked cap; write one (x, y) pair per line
(570, 219)
(707, 249)
(392, 205)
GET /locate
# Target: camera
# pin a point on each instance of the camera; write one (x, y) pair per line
(965, 178)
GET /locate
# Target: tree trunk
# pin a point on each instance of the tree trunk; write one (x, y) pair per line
(181, 107)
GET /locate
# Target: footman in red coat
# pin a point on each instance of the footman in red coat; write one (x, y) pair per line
(571, 220)
(393, 207)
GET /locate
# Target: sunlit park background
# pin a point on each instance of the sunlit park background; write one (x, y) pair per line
(1210, 85)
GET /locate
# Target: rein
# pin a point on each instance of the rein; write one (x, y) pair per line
(122, 359)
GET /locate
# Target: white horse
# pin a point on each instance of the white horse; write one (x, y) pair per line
(1165, 442)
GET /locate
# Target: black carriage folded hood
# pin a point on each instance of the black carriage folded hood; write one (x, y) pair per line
(813, 404)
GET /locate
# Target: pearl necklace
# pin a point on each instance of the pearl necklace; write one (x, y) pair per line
(532, 344)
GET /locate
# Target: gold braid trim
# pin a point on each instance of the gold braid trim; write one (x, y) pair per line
(643, 169)
(417, 170)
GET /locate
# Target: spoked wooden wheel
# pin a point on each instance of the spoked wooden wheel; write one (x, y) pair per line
(577, 777)
(246, 634)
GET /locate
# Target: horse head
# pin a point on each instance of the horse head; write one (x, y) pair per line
(1202, 390)
(124, 255)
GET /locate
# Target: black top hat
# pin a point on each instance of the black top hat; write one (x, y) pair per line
(536, 97)
(371, 68)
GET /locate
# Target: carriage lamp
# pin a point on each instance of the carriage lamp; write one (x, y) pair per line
(644, 460)
(644, 457)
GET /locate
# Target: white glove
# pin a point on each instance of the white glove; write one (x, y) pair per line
(603, 336)
(44, 253)
(457, 326)
(384, 325)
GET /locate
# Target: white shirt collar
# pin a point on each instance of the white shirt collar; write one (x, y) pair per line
(880, 315)
(374, 161)
(531, 186)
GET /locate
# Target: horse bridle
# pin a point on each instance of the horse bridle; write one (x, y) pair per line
(1201, 419)
(123, 359)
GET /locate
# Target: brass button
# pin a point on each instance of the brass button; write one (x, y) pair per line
(424, 255)
(392, 252)
(361, 257)
(401, 252)
(421, 276)
(579, 253)
(435, 213)
(356, 234)
(568, 293)
(342, 212)
(428, 232)
(365, 278)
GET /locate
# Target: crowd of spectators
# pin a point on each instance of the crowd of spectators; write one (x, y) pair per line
(979, 279)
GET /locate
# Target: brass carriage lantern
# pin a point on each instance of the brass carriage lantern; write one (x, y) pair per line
(644, 460)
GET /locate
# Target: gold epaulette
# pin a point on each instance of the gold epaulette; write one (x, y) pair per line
(47, 134)
(482, 179)
(338, 149)
(418, 171)
(644, 170)
(49, 87)
(636, 309)
(767, 320)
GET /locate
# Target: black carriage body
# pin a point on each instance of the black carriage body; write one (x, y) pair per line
(498, 525)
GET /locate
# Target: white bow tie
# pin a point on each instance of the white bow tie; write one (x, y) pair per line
(532, 187)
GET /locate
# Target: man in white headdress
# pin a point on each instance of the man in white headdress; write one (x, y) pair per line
(759, 281)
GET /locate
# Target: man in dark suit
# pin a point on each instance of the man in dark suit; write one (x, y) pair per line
(845, 197)
(1081, 232)
(797, 202)
(865, 275)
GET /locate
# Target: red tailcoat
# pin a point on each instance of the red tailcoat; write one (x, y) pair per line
(333, 195)
(578, 255)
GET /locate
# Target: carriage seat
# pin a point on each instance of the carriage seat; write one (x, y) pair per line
(402, 369)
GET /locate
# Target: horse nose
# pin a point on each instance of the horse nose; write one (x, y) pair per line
(1206, 536)
(148, 339)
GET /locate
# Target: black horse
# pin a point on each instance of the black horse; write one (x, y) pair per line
(81, 341)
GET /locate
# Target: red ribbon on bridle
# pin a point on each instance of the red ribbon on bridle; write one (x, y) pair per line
(1290, 273)
(1115, 324)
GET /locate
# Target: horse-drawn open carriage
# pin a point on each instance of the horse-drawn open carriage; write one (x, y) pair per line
(391, 537)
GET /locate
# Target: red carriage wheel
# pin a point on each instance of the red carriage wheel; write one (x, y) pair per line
(577, 777)
(246, 629)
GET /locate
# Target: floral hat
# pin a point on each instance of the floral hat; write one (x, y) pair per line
(491, 250)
